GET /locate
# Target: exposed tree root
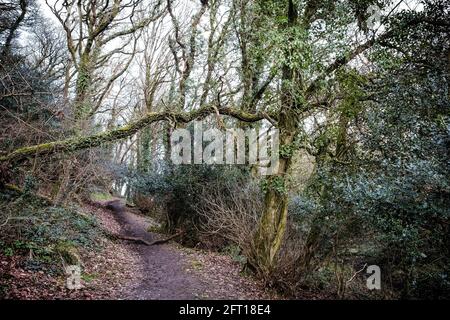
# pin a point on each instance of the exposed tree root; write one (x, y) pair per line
(142, 241)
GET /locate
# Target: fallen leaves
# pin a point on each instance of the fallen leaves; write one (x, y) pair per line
(112, 266)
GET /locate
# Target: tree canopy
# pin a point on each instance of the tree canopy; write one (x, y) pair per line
(358, 89)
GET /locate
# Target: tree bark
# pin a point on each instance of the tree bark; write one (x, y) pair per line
(272, 225)
(80, 143)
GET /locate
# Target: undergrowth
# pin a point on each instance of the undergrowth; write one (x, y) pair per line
(44, 233)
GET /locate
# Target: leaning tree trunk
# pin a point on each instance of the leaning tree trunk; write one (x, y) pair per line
(80, 143)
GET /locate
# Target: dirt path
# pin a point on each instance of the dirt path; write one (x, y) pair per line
(169, 271)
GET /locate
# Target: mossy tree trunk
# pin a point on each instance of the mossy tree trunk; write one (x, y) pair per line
(83, 92)
(272, 226)
(80, 143)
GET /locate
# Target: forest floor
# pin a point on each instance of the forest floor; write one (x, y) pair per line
(169, 271)
(128, 270)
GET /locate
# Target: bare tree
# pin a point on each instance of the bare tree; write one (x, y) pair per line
(96, 32)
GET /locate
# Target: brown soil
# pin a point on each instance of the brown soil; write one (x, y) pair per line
(169, 271)
(128, 270)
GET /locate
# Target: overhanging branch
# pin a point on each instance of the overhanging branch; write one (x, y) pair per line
(80, 143)
(345, 59)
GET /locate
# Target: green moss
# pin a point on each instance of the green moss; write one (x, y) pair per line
(69, 253)
(196, 265)
(155, 228)
(89, 277)
(79, 143)
(100, 196)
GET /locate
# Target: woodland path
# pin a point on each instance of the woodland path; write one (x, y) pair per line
(168, 271)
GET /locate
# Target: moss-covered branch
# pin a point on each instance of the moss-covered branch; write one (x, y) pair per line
(80, 143)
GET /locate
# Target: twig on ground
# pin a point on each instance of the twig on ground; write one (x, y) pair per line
(140, 240)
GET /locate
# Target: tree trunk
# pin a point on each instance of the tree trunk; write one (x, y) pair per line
(95, 140)
(64, 181)
(84, 90)
(272, 226)
(270, 233)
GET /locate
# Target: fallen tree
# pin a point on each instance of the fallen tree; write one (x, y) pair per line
(80, 143)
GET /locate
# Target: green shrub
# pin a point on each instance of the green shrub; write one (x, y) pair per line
(39, 230)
